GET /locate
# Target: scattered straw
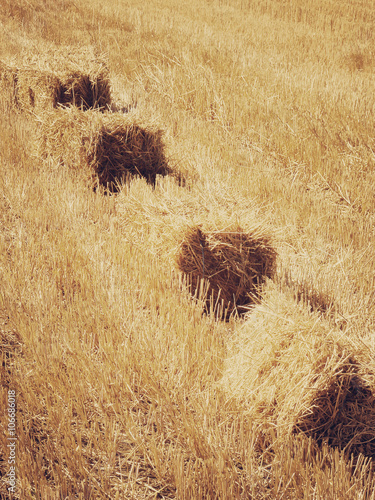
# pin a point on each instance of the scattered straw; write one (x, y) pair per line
(109, 146)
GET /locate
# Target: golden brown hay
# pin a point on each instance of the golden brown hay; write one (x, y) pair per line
(85, 90)
(296, 374)
(109, 146)
(341, 411)
(222, 253)
(234, 263)
(8, 80)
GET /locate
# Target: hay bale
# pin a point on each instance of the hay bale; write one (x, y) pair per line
(83, 74)
(222, 253)
(8, 81)
(296, 374)
(107, 146)
(341, 410)
(63, 76)
(234, 263)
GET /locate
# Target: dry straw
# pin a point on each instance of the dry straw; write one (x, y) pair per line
(294, 373)
(8, 79)
(107, 146)
(36, 90)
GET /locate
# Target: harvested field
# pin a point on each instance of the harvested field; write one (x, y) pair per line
(106, 147)
(126, 381)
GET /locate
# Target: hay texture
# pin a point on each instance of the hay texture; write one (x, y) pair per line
(36, 90)
(83, 76)
(8, 82)
(297, 375)
(233, 262)
(106, 146)
(64, 76)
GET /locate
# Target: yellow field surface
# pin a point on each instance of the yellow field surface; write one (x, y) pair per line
(123, 388)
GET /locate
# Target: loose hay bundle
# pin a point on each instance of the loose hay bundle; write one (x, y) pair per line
(109, 146)
(295, 374)
(223, 254)
(233, 262)
(83, 75)
(65, 76)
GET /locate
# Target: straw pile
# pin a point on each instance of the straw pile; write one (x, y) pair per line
(83, 75)
(225, 255)
(234, 263)
(63, 76)
(297, 375)
(107, 146)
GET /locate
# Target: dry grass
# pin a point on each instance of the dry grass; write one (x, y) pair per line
(108, 147)
(123, 388)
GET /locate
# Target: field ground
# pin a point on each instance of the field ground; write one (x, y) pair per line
(123, 388)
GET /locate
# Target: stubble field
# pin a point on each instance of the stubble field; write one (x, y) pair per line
(124, 389)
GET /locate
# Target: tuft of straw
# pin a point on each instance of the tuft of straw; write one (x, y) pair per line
(108, 146)
(296, 374)
(234, 263)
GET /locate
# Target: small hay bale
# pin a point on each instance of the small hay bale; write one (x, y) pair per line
(296, 374)
(223, 254)
(63, 76)
(83, 74)
(234, 263)
(8, 82)
(108, 145)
